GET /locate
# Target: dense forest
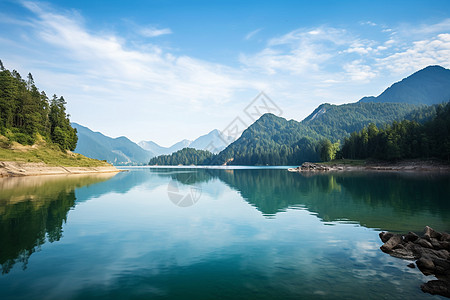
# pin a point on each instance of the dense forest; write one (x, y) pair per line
(26, 114)
(185, 156)
(273, 140)
(404, 140)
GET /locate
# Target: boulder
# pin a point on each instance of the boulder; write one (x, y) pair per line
(437, 287)
(385, 236)
(431, 233)
(411, 237)
(424, 243)
(392, 243)
(431, 250)
(426, 265)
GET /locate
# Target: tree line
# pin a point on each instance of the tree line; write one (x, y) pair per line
(185, 156)
(27, 113)
(403, 140)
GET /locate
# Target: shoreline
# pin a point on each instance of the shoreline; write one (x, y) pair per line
(19, 169)
(401, 166)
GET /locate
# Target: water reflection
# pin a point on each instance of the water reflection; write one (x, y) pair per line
(388, 201)
(33, 210)
(253, 234)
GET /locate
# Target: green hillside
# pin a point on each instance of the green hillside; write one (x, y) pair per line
(34, 128)
(185, 156)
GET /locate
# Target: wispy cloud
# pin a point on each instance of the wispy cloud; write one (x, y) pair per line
(133, 81)
(418, 55)
(252, 33)
(154, 32)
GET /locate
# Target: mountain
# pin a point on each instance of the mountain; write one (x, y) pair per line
(271, 140)
(213, 141)
(335, 122)
(274, 140)
(178, 146)
(153, 147)
(118, 151)
(430, 85)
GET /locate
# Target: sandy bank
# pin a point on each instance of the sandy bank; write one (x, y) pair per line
(403, 166)
(8, 168)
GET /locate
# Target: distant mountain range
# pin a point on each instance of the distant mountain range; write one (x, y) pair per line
(122, 151)
(118, 151)
(427, 86)
(214, 141)
(275, 140)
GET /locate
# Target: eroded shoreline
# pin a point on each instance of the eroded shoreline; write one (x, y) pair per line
(13, 169)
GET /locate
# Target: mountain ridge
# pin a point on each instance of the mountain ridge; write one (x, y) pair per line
(430, 85)
(214, 141)
(118, 151)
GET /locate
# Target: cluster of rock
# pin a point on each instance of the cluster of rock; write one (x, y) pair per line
(431, 252)
(311, 167)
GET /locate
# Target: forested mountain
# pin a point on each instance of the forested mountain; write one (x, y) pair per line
(118, 151)
(402, 140)
(271, 140)
(186, 156)
(427, 86)
(335, 122)
(275, 141)
(26, 114)
(212, 141)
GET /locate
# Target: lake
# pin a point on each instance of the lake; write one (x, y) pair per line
(245, 233)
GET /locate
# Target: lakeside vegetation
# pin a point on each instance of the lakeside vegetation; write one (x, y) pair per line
(27, 114)
(403, 140)
(185, 156)
(34, 128)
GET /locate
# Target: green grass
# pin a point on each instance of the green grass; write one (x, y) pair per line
(49, 154)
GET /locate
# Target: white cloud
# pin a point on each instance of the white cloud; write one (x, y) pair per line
(297, 52)
(252, 33)
(418, 55)
(358, 71)
(141, 86)
(154, 32)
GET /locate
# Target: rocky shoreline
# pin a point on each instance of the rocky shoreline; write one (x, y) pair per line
(403, 166)
(10, 169)
(431, 253)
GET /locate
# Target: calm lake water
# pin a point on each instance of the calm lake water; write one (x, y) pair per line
(213, 234)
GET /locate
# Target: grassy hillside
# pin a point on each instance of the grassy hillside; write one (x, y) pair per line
(47, 153)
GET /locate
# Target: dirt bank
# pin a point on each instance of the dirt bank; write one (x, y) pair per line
(9, 168)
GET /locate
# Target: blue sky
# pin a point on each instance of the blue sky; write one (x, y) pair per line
(169, 70)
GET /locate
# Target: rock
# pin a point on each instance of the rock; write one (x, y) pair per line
(445, 245)
(431, 251)
(445, 237)
(411, 237)
(424, 243)
(425, 265)
(437, 287)
(436, 244)
(431, 233)
(385, 236)
(391, 243)
(411, 265)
